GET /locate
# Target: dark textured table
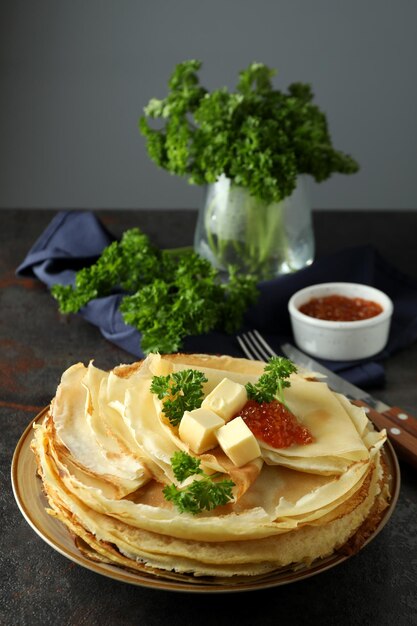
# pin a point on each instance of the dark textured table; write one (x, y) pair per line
(39, 586)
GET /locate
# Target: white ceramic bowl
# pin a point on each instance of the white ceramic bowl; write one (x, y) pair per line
(340, 341)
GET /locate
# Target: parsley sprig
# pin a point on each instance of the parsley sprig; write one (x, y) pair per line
(259, 137)
(180, 391)
(185, 465)
(203, 493)
(126, 264)
(165, 295)
(273, 381)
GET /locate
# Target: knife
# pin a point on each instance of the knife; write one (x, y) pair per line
(401, 427)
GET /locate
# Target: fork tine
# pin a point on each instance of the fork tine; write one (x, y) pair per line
(257, 346)
(244, 348)
(266, 345)
(241, 339)
(254, 346)
(250, 347)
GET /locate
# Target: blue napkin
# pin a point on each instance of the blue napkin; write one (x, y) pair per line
(76, 238)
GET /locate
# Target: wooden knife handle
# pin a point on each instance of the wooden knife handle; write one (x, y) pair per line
(403, 419)
(404, 442)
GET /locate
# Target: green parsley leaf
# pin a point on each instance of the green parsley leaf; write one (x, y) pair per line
(259, 137)
(181, 391)
(204, 494)
(127, 264)
(185, 465)
(166, 295)
(272, 382)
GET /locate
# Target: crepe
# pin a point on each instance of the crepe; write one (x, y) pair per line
(104, 454)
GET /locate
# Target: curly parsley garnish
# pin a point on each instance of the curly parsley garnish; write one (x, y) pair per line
(166, 295)
(185, 465)
(203, 493)
(259, 137)
(180, 391)
(273, 381)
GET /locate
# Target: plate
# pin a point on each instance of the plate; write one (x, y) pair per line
(27, 489)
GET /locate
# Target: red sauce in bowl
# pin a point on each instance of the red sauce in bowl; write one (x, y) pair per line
(341, 308)
(274, 424)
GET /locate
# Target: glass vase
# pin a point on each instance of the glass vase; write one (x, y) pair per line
(264, 240)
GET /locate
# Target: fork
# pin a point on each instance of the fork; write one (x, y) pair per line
(254, 346)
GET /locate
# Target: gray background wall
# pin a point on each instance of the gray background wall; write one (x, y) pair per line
(75, 75)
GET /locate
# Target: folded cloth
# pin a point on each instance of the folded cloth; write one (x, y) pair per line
(76, 238)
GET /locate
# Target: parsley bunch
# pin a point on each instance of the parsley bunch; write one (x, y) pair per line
(273, 381)
(127, 264)
(203, 493)
(181, 391)
(164, 296)
(259, 137)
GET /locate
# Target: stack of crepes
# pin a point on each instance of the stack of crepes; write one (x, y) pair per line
(104, 449)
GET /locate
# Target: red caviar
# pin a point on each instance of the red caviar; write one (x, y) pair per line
(341, 308)
(274, 424)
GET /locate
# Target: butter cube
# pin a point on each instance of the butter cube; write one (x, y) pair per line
(238, 442)
(226, 399)
(198, 429)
